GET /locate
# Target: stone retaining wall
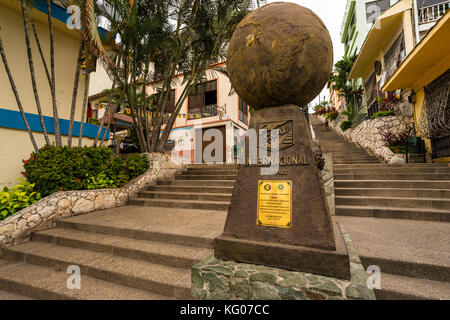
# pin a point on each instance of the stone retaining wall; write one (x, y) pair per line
(368, 135)
(214, 279)
(43, 213)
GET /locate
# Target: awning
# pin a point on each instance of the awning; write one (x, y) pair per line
(429, 59)
(381, 32)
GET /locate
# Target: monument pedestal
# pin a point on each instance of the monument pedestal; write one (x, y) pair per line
(297, 258)
(282, 220)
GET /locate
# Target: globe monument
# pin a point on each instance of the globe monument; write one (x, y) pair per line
(280, 57)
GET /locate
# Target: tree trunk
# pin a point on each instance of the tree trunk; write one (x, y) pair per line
(32, 74)
(85, 102)
(75, 92)
(16, 95)
(102, 122)
(53, 78)
(38, 43)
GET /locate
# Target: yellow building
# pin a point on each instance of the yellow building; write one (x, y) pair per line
(426, 72)
(390, 40)
(15, 144)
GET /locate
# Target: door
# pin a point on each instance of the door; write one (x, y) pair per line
(207, 143)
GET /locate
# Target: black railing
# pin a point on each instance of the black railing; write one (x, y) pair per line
(440, 147)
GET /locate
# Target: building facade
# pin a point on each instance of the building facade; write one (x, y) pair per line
(387, 45)
(15, 144)
(212, 105)
(358, 19)
(426, 72)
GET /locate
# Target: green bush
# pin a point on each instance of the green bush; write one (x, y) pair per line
(332, 115)
(345, 125)
(17, 198)
(398, 149)
(63, 168)
(386, 113)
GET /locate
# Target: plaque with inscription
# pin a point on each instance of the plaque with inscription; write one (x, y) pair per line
(274, 204)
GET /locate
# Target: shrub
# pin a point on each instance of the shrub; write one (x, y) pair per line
(386, 113)
(17, 198)
(63, 168)
(345, 125)
(332, 115)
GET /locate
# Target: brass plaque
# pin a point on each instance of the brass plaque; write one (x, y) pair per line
(274, 203)
(286, 128)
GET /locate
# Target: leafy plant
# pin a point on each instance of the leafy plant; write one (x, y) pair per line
(386, 113)
(332, 115)
(63, 168)
(17, 198)
(394, 140)
(345, 125)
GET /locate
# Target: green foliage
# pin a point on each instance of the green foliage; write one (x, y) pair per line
(345, 125)
(398, 149)
(136, 164)
(17, 198)
(332, 115)
(63, 168)
(386, 113)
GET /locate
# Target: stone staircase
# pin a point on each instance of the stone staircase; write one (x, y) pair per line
(397, 217)
(141, 251)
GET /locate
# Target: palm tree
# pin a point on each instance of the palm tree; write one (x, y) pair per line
(75, 91)
(32, 73)
(53, 78)
(85, 100)
(16, 95)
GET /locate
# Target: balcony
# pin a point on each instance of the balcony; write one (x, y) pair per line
(433, 13)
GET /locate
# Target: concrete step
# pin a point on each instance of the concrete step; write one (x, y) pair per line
(394, 192)
(5, 295)
(406, 184)
(158, 279)
(206, 172)
(186, 196)
(173, 255)
(191, 189)
(377, 166)
(187, 204)
(354, 162)
(196, 228)
(213, 166)
(212, 183)
(394, 202)
(394, 213)
(394, 176)
(396, 287)
(392, 170)
(38, 282)
(207, 177)
(418, 249)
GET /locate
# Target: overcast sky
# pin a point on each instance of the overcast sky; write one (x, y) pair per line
(332, 13)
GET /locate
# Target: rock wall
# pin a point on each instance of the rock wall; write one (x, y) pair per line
(63, 204)
(368, 135)
(214, 279)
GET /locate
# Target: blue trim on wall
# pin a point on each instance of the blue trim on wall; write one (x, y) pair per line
(61, 14)
(13, 120)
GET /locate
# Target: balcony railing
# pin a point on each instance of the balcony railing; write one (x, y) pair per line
(433, 13)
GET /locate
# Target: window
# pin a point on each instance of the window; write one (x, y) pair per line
(203, 99)
(243, 111)
(376, 8)
(395, 56)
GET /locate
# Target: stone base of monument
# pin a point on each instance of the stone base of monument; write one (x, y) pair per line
(215, 279)
(326, 262)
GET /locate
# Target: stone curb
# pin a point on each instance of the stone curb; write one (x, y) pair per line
(42, 214)
(214, 279)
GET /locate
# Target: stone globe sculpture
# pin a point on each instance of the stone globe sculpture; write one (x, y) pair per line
(280, 54)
